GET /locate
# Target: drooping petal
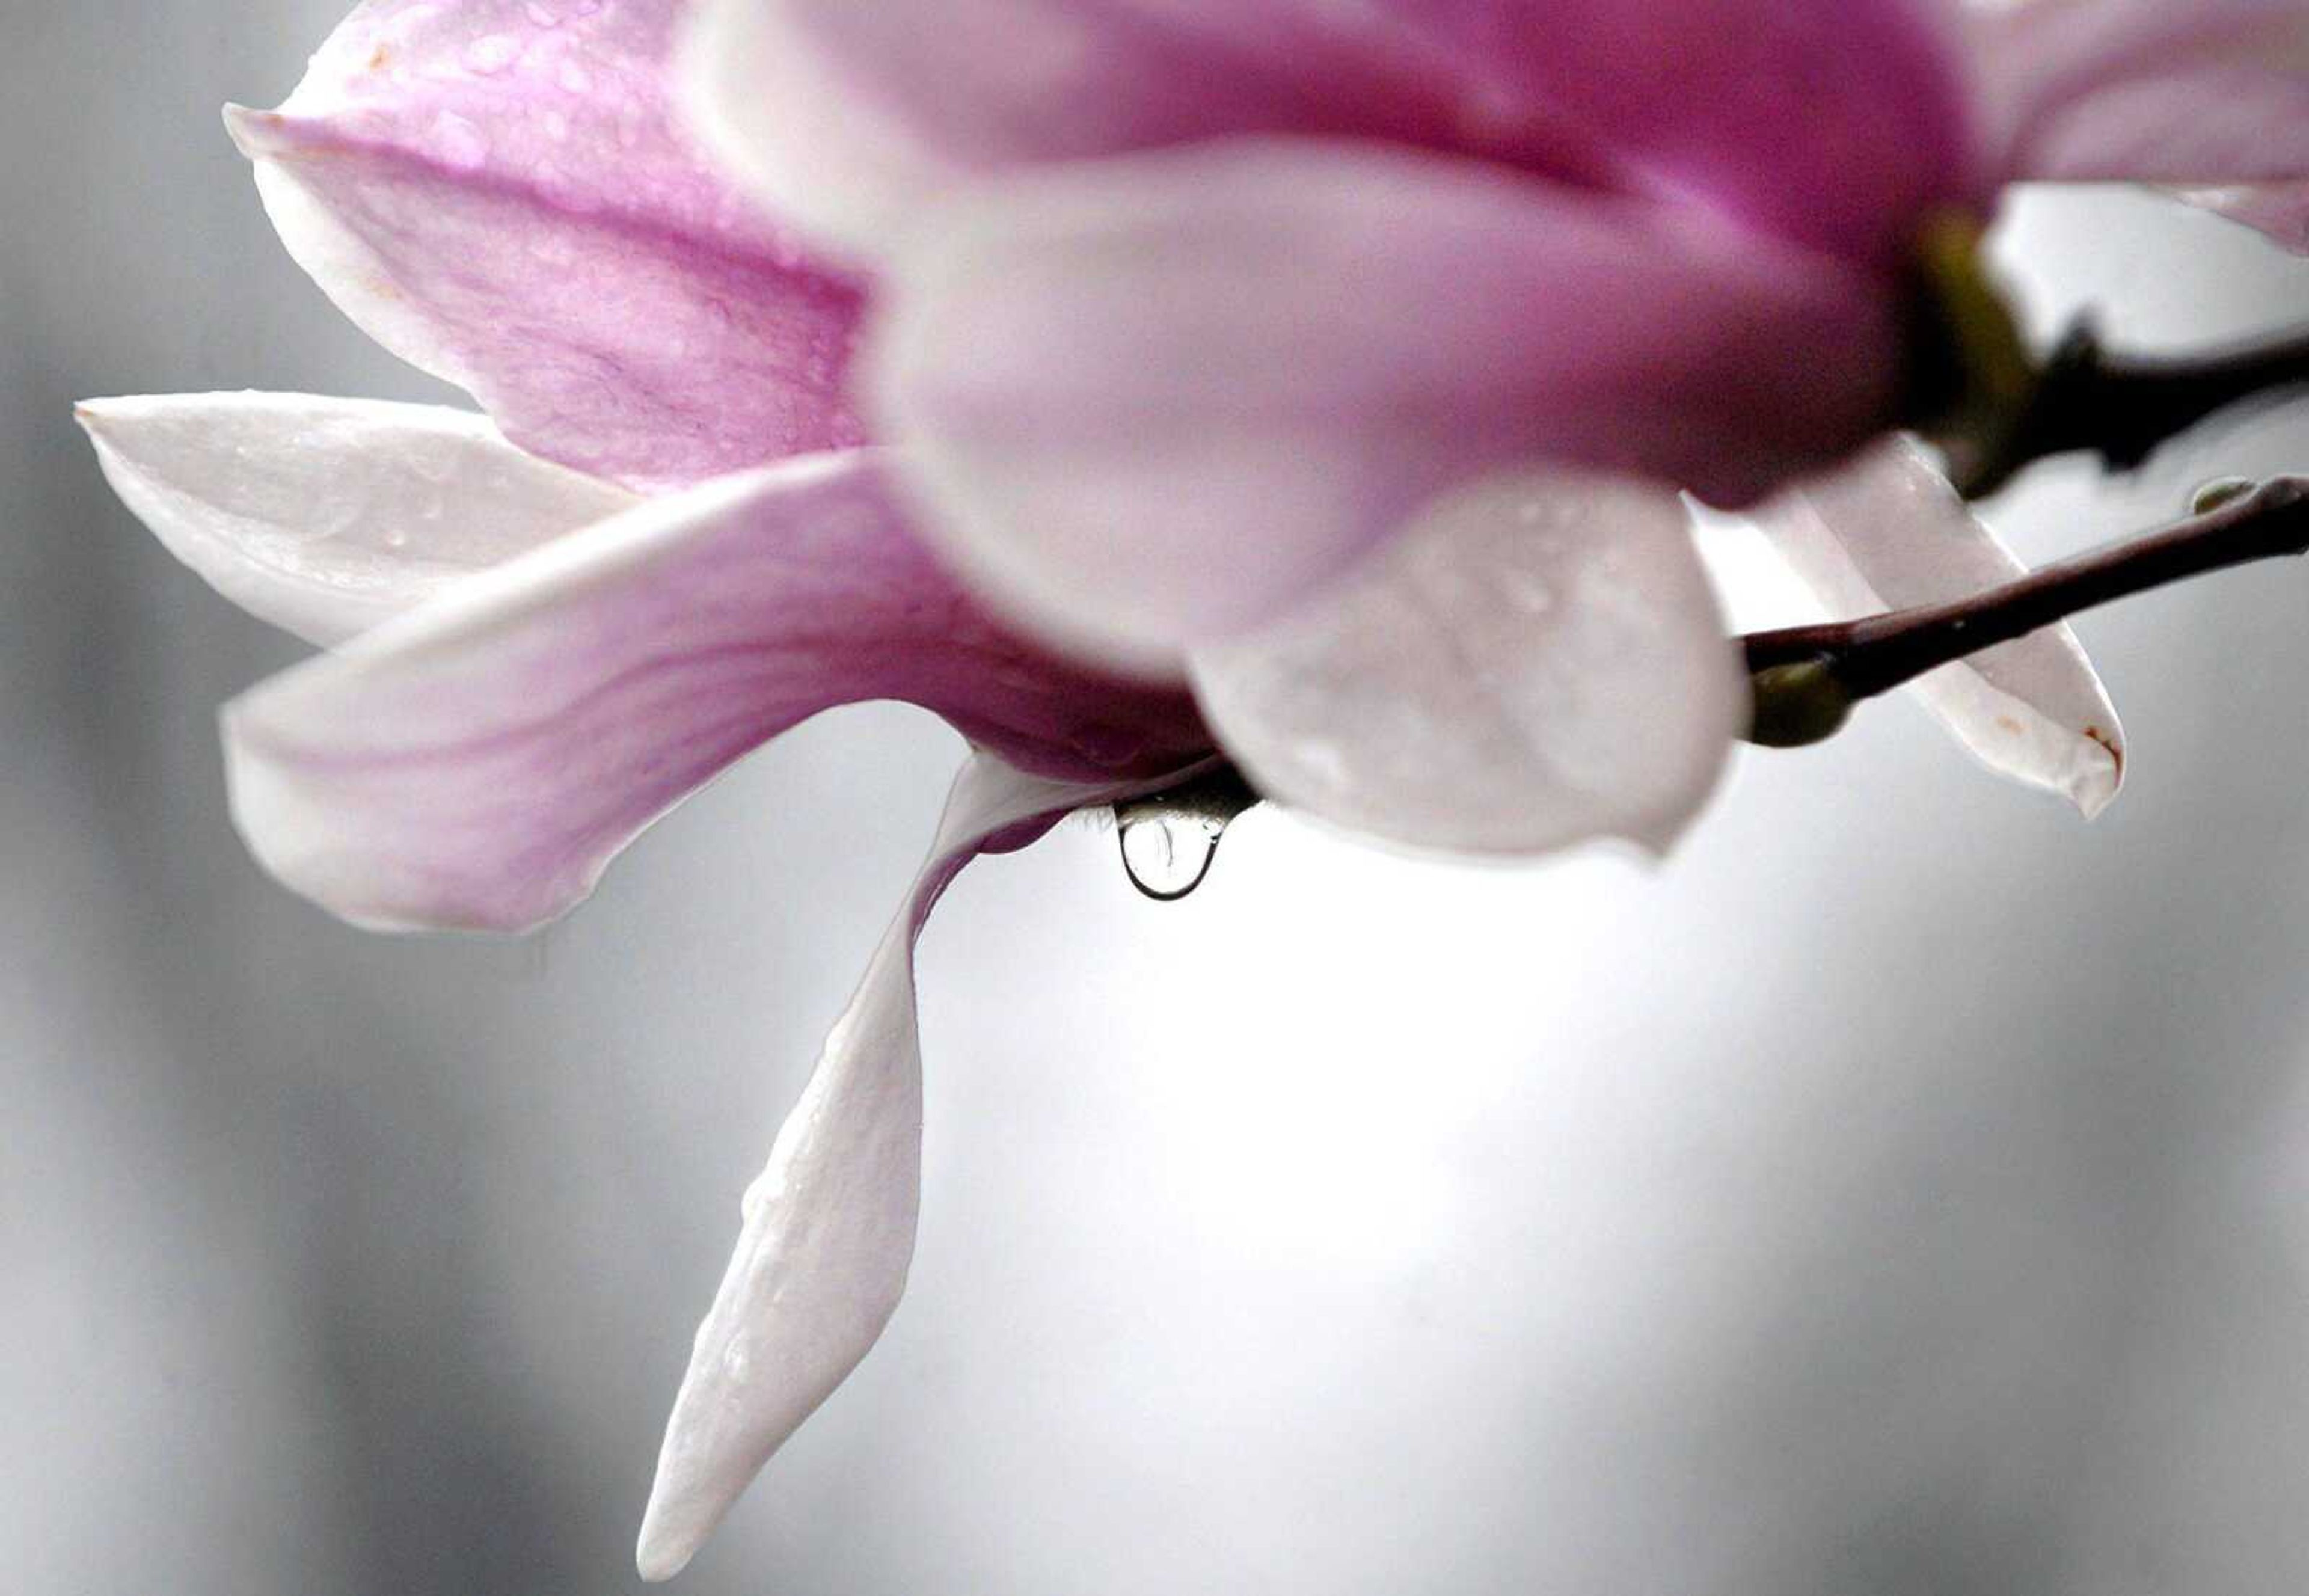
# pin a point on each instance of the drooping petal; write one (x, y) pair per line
(326, 516)
(1156, 399)
(1820, 120)
(477, 763)
(2201, 92)
(496, 191)
(829, 1224)
(1538, 661)
(1888, 532)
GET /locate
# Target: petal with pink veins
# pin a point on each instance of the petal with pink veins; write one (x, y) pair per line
(478, 762)
(1153, 401)
(507, 203)
(1538, 661)
(828, 1228)
(2192, 93)
(1888, 532)
(1821, 120)
(326, 516)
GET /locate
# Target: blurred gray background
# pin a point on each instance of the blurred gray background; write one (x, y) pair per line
(1907, 1190)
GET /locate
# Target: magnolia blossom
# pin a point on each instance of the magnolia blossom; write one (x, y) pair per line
(1187, 308)
(542, 644)
(1311, 383)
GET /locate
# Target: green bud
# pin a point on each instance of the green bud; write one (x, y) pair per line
(1971, 380)
(1798, 704)
(2220, 491)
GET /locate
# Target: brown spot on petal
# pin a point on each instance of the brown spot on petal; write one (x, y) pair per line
(2009, 726)
(381, 59)
(2109, 742)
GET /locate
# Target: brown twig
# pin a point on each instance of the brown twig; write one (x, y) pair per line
(2124, 408)
(1822, 671)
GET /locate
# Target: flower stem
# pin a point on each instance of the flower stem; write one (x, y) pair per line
(2124, 408)
(1852, 661)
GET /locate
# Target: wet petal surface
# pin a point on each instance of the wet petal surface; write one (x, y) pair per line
(1538, 661)
(326, 516)
(508, 203)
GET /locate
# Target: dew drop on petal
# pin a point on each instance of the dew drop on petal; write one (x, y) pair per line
(491, 54)
(459, 142)
(1167, 856)
(1169, 839)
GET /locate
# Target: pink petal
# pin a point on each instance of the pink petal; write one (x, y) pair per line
(326, 516)
(2281, 210)
(1539, 661)
(1834, 123)
(2184, 91)
(829, 1224)
(1823, 120)
(505, 202)
(1156, 399)
(479, 762)
(853, 115)
(1887, 532)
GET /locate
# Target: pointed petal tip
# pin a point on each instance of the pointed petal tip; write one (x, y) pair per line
(685, 1507)
(286, 828)
(101, 417)
(661, 1552)
(249, 129)
(2097, 786)
(106, 414)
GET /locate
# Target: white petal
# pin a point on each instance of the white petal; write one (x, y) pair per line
(1888, 532)
(829, 1224)
(327, 515)
(2279, 210)
(1539, 660)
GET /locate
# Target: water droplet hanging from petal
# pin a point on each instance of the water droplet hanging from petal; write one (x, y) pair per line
(1170, 838)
